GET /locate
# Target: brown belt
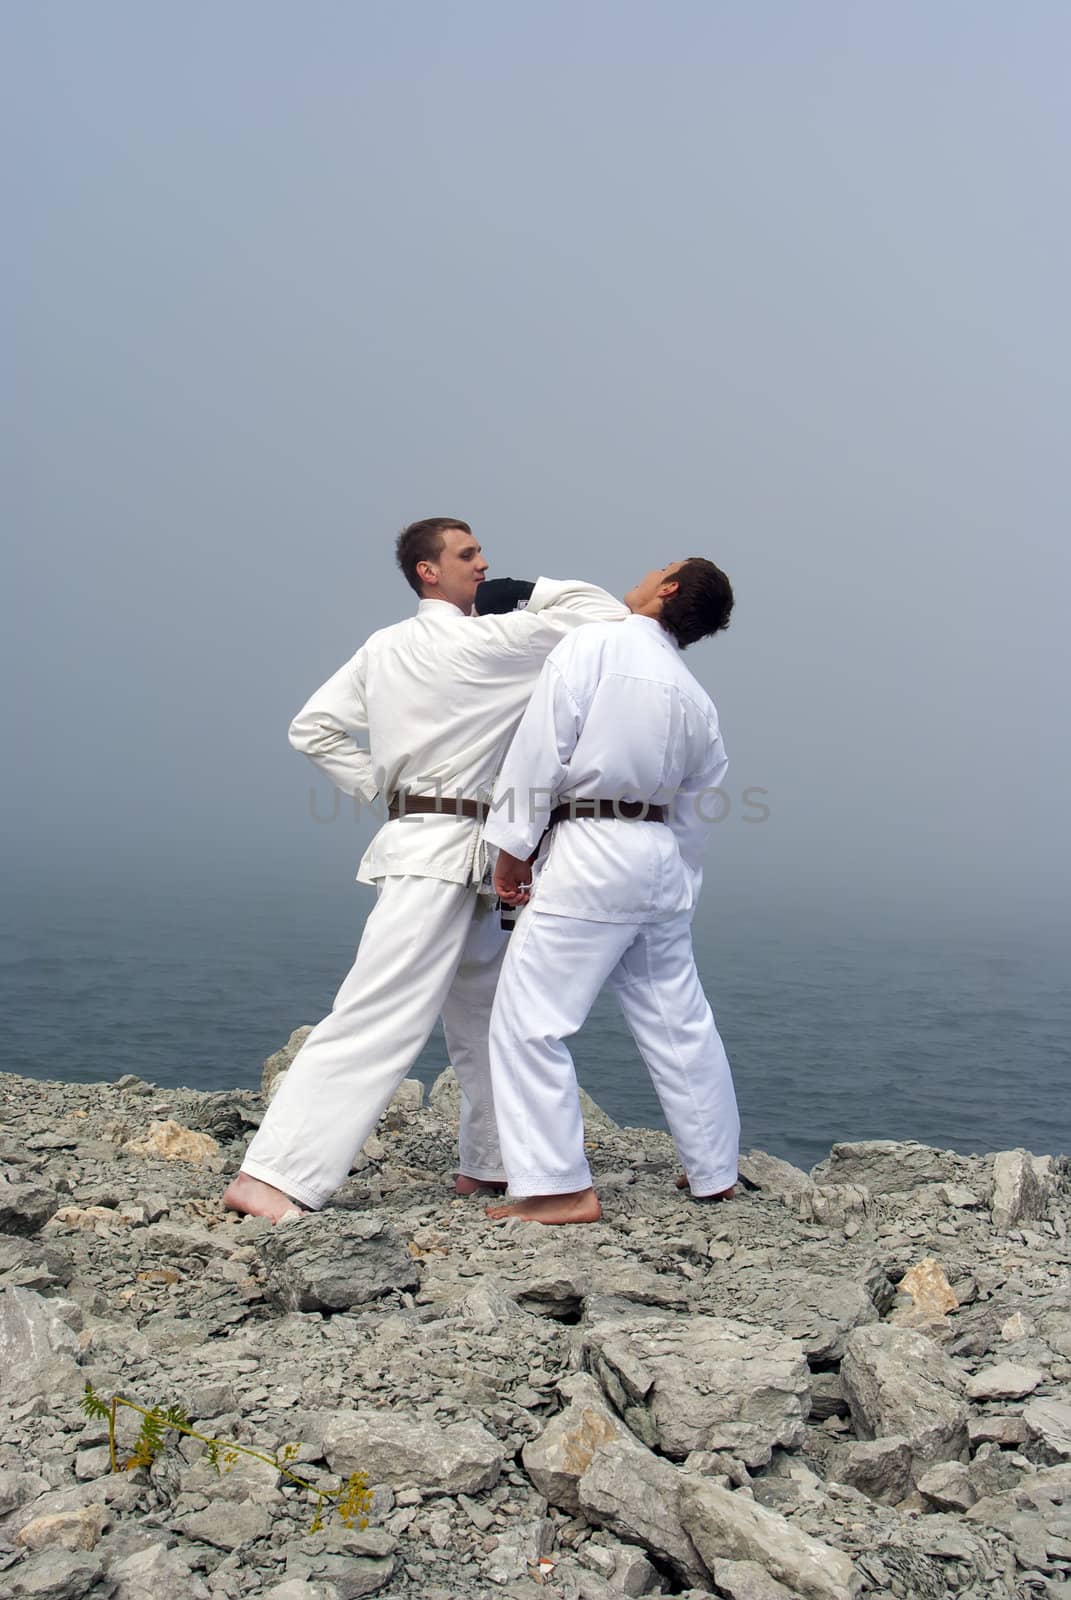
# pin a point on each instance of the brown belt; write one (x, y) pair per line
(621, 810)
(417, 805)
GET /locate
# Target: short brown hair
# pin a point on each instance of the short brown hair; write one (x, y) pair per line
(423, 541)
(702, 604)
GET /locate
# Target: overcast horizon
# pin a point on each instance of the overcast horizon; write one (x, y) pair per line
(784, 286)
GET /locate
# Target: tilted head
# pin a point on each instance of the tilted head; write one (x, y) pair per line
(442, 560)
(691, 599)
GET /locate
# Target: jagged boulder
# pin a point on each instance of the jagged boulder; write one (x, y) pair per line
(728, 1525)
(635, 1494)
(888, 1166)
(771, 1176)
(26, 1207)
(878, 1468)
(395, 1447)
(1048, 1429)
(817, 1309)
(701, 1383)
(897, 1382)
(1023, 1185)
(35, 1335)
(564, 1451)
(333, 1261)
(276, 1064)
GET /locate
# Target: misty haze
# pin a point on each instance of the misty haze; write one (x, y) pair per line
(781, 286)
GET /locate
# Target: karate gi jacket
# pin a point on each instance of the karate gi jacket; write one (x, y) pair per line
(438, 698)
(616, 715)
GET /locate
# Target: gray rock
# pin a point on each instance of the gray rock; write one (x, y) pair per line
(817, 1309)
(725, 1524)
(1023, 1185)
(827, 1396)
(771, 1176)
(394, 1448)
(558, 1282)
(947, 1486)
(277, 1064)
(487, 1308)
(347, 1577)
(335, 1260)
(184, 1240)
(633, 1574)
(25, 1207)
(702, 1383)
(558, 1459)
(897, 1569)
(1006, 1381)
(888, 1166)
(995, 1471)
(17, 1488)
(634, 1493)
(878, 1468)
(746, 1580)
(210, 1399)
(408, 1099)
(245, 1479)
(1002, 1430)
(27, 1263)
(897, 1382)
(155, 1573)
(1048, 1429)
(295, 1589)
(226, 1525)
(831, 1204)
(54, 1575)
(33, 1332)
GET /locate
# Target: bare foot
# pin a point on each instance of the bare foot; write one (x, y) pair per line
(256, 1199)
(723, 1194)
(581, 1206)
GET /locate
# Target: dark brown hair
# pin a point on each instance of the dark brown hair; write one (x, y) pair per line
(702, 604)
(423, 541)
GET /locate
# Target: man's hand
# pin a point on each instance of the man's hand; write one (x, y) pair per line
(513, 879)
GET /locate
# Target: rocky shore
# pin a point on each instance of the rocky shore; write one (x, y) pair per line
(850, 1382)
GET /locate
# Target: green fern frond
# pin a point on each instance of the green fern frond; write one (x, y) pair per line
(93, 1405)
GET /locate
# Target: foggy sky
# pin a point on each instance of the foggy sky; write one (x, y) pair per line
(785, 285)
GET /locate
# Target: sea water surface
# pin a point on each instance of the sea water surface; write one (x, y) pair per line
(837, 1028)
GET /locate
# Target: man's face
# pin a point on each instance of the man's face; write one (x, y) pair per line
(457, 572)
(647, 588)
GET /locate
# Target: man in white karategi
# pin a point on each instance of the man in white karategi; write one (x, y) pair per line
(619, 757)
(438, 697)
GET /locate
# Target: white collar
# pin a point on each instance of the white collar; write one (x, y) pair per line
(429, 608)
(653, 622)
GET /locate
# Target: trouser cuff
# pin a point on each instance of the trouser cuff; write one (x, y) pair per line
(522, 1185)
(295, 1191)
(705, 1186)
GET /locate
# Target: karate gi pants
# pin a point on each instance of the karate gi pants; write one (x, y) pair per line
(553, 971)
(429, 948)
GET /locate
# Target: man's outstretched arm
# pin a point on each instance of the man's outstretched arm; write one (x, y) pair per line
(325, 726)
(555, 607)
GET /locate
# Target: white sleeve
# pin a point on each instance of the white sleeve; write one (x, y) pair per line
(555, 608)
(324, 728)
(535, 767)
(697, 807)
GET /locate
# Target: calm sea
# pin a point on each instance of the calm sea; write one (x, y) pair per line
(862, 1030)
